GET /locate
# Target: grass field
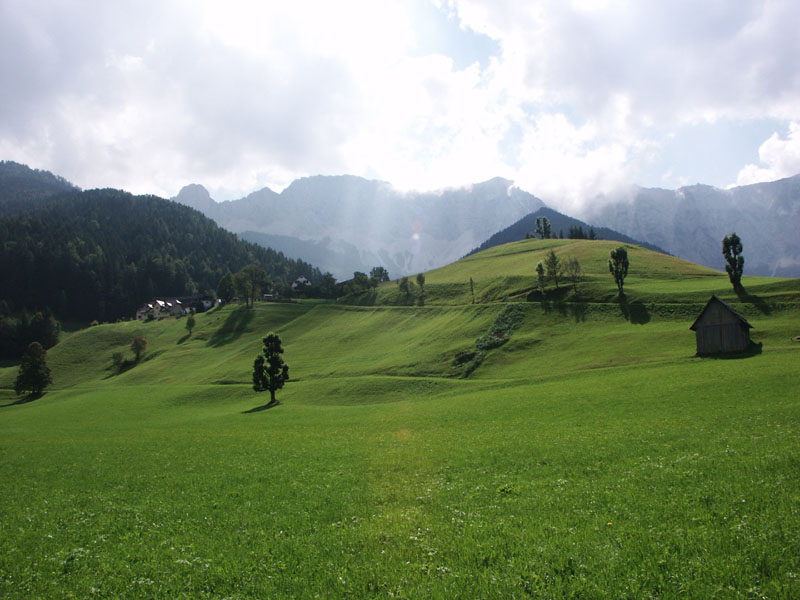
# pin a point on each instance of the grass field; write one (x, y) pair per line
(590, 455)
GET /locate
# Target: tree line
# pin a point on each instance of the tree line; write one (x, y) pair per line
(544, 230)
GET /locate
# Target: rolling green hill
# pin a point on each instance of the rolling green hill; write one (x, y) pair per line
(589, 454)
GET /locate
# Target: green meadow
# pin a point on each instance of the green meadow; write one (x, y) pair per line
(591, 454)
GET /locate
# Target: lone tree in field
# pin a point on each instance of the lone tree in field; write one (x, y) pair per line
(732, 251)
(554, 268)
(138, 346)
(34, 374)
(190, 323)
(618, 266)
(269, 370)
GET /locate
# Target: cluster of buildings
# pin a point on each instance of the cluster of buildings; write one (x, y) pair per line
(161, 308)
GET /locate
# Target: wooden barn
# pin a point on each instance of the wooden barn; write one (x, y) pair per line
(719, 328)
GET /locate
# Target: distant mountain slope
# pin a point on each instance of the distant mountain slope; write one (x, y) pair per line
(23, 188)
(100, 254)
(690, 222)
(326, 254)
(406, 232)
(559, 223)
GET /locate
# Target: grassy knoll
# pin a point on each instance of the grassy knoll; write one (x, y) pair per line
(507, 272)
(590, 455)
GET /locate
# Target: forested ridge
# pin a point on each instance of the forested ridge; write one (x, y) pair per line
(100, 254)
(23, 189)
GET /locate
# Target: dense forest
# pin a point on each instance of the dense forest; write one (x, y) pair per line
(100, 254)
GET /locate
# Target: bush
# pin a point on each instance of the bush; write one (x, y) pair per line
(138, 346)
(118, 360)
(34, 374)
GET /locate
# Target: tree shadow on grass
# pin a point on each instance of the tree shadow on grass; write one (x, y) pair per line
(184, 338)
(550, 297)
(125, 365)
(759, 303)
(555, 300)
(23, 400)
(266, 406)
(232, 328)
(635, 312)
(578, 311)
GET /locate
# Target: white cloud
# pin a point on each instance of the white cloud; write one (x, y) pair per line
(780, 155)
(153, 95)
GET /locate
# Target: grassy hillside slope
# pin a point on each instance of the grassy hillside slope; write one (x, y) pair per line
(508, 273)
(592, 454)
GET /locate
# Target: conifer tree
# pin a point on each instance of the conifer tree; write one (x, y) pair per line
(269, 370)
(732, 251)
(554, 268)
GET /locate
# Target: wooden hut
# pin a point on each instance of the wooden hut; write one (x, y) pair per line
(719, 328)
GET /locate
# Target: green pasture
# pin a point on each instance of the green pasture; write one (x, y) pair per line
(591, 455)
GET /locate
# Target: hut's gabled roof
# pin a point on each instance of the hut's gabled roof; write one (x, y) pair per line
(732, 310)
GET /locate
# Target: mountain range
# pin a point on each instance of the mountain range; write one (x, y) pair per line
(344, 224)
(691, 221)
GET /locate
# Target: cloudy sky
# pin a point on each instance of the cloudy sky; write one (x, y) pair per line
(567, 98)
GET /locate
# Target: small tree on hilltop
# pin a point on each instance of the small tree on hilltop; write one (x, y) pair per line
(404, 284)
(380, 274)
(543, 227)
(269, 370)
(732, 251)
(421, 284)
(138, 346)
(618, 266)
(34, 374)
(554, 268)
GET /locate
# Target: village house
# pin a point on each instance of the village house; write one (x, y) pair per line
(300, 283)
(160, 309)
(719, 329)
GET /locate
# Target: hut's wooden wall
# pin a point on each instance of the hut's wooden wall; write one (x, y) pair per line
(721, 331)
